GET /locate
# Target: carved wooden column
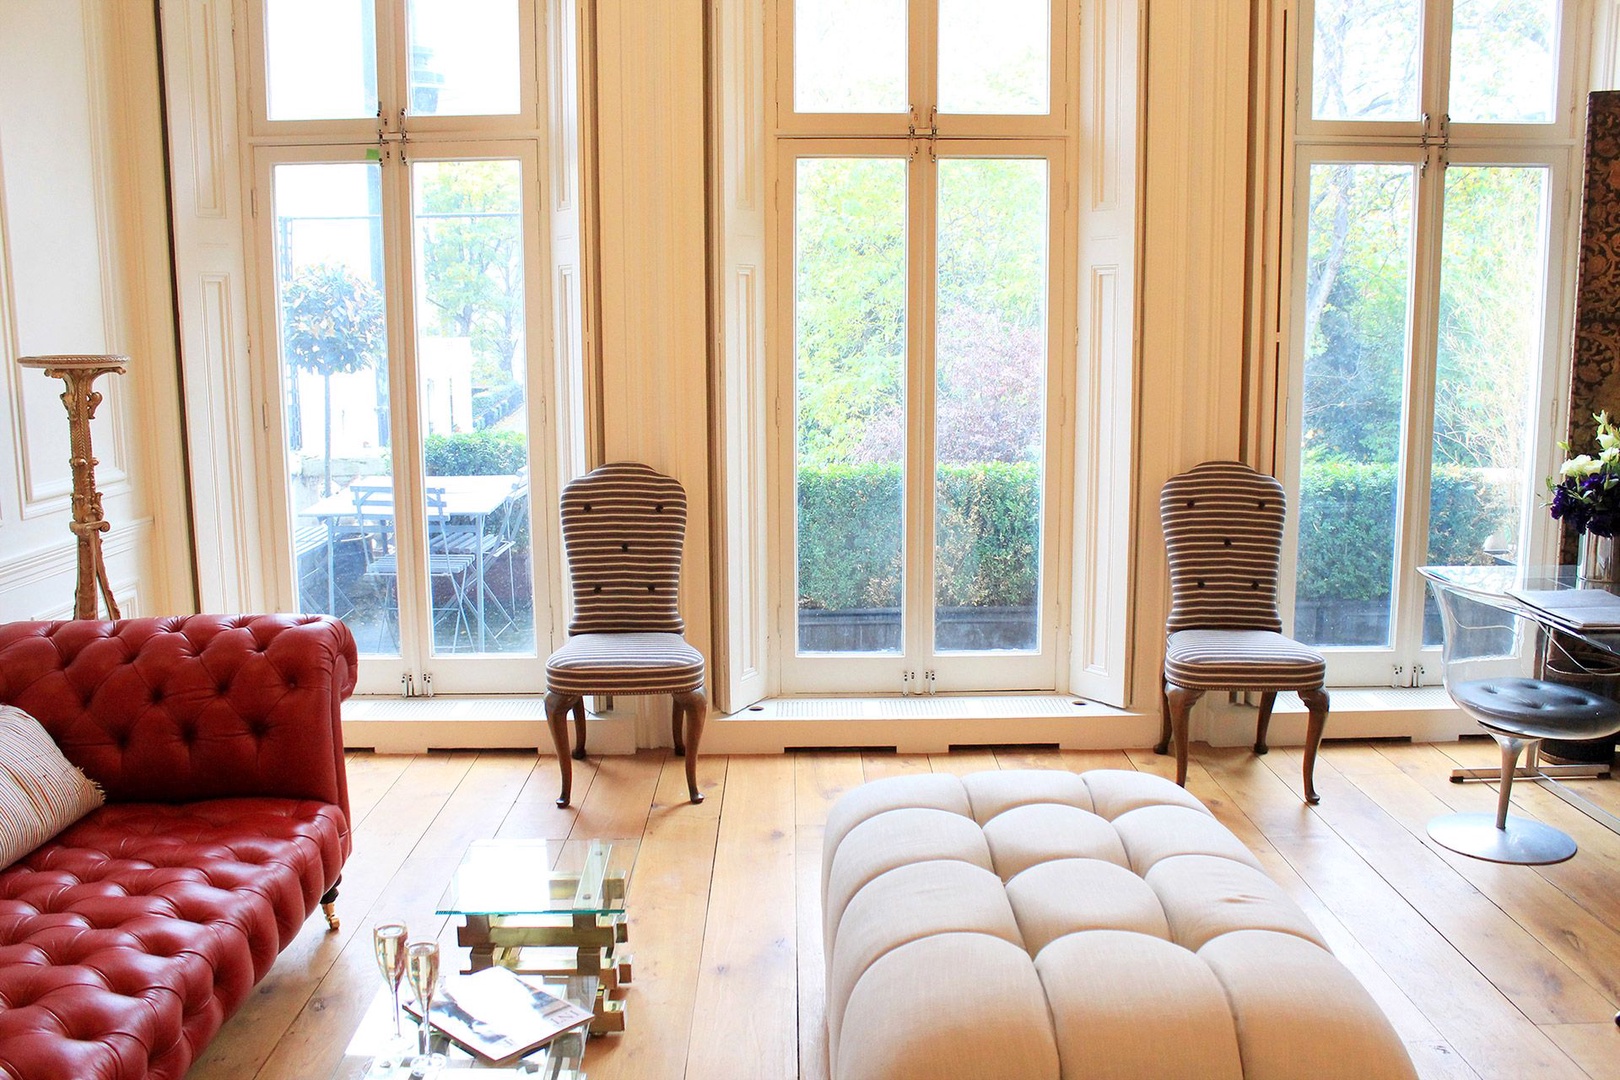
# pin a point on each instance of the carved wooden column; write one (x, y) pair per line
(79, 372)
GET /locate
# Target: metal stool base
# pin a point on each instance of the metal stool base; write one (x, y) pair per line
(1523, 842)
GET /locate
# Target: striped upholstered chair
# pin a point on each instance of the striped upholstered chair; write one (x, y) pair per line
(623, 526)
(1223, 525)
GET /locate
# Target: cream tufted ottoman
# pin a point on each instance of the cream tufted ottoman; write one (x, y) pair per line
(1045, 924)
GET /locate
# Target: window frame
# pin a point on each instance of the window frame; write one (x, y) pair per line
(1429, 146)
(1049, 136)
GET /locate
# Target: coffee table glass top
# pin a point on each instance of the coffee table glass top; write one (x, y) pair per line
(541, 877)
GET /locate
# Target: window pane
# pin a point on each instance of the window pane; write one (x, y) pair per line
(1491, 312)
(321, 59)
(471, 367)
(464, 58)
(989, 420)
(1365, 59)
(334, 375)
(1357, 289)
(849, 56)
(994, 58)
(850, 355)
(1503, 67)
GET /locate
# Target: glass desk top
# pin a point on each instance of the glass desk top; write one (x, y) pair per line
(541, 877)
(1493, 585)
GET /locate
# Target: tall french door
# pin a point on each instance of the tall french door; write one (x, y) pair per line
(924, 321)
(1432, 174)
(921, 385)
(400, 210)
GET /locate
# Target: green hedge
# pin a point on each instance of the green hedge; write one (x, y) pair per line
(477, 453)
(1347, 525)
(849, 530)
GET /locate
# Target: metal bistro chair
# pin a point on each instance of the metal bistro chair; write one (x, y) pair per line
(374, 509)
(623, 527)
(1223, 525)
(1491, 659)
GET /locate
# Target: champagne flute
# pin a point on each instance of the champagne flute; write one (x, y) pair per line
(422, 968)
(388, 942)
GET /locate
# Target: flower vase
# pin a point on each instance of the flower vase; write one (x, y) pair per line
(1595, 564)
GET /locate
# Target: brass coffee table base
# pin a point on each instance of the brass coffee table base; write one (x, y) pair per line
(594, 940)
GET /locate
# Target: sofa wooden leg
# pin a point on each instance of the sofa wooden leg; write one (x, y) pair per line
(329, 907)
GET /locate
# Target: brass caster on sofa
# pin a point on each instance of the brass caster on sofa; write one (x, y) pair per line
(333, 924)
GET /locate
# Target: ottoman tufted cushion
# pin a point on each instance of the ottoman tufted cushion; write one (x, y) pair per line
(1053, 926)
(127, 940)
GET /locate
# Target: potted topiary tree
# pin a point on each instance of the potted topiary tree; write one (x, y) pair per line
(332, 324)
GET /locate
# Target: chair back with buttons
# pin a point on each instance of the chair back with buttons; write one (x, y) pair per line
(623, 526)
(1223, 526)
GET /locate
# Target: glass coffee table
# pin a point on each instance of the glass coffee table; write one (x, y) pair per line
(554, 908)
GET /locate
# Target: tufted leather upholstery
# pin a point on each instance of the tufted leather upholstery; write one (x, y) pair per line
(127, 940)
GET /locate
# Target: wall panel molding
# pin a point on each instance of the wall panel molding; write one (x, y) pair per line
(1106, 371)
(61, 556)
(1195, 261)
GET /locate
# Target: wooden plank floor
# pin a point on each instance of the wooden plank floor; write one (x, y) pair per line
(1486, 971)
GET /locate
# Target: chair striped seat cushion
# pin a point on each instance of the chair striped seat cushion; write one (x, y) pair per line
(1240, 660)
(624, 664)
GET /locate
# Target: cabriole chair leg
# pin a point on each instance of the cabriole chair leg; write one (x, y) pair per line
(557, 706)
(579, 729)
(1179, 701)
(696, 708)
(1163, 745)
(1316, 701)
(1267, 701)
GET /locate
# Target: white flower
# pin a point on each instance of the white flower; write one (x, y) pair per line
(1580, 465)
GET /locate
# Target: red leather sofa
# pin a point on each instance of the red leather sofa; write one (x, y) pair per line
(127, 940)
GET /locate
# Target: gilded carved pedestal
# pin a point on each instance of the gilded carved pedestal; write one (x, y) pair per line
(79, 373)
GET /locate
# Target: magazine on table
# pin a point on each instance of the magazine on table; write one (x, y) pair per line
(1574, 609)
(500, 1016)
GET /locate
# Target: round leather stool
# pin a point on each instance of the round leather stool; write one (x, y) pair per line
(1518, 713)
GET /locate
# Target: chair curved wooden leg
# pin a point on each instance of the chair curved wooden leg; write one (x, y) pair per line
(1179, 702)
(677, 712)
(579, 729)
(1163, 745)
(696, 707)
(557, 706)
(1317, 702)
(1267, 701)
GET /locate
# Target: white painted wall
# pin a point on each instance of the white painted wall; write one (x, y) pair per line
(84, 268)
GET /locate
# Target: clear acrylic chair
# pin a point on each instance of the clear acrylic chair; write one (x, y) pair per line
(1494, 658)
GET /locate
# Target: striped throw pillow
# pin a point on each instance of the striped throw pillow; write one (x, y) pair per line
(41, 792)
